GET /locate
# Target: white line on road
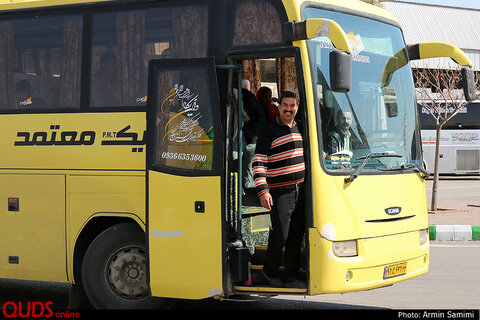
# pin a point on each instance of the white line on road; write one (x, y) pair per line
(437, 245)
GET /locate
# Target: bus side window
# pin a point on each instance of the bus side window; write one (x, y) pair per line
(40, 62)
(256, 22)
(184, 135)
(123, 43)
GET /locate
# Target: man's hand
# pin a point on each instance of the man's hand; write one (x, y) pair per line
(266, 201)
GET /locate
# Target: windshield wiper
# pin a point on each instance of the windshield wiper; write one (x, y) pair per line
(425, 173)
(372, 155)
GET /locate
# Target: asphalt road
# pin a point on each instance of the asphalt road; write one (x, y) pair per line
(453, 282)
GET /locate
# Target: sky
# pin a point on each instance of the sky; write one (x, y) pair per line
(453, 3)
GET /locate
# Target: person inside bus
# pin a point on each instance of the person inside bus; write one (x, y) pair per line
(342, 138)
(168, 53)
(24, 99)
(264, 96)
(279, 172)
(104, 82)
(254, 119)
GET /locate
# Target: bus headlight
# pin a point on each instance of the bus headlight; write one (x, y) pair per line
(345, 248)
(423, 236)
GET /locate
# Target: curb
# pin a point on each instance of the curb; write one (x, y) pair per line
(454, 232)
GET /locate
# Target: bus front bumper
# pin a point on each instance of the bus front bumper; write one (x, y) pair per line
(380, 261)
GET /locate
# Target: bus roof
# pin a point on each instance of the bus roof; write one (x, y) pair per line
(362, 6)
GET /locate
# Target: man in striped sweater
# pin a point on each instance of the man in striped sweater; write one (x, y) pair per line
(279, 171)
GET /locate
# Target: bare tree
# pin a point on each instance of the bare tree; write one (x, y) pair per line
(441, 97)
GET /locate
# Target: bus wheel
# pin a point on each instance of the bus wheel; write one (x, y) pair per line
(114, 270)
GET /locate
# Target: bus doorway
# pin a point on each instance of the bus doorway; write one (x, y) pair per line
(262, 80)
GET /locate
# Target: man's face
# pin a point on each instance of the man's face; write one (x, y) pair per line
(288, 109)
(344, 120)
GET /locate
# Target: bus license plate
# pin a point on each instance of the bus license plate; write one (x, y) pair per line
(395, 270)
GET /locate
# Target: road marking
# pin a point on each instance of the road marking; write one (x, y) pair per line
(435, 245)
(459, 187)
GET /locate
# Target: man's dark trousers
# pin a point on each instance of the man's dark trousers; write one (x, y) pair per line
(288, 226)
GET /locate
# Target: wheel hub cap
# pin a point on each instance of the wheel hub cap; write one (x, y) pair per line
(127, 273)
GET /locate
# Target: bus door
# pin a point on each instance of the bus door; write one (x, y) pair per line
(184, 179)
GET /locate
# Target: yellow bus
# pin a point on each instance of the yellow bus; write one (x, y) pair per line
(123, 135)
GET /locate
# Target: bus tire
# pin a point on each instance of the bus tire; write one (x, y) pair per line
(114, 270)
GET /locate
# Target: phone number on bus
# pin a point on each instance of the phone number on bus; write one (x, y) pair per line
(184, 156)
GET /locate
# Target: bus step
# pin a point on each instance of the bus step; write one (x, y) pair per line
(260, 254)
(253, 210)
(267, 291)
(258, 279)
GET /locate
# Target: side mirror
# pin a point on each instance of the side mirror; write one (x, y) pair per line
(468, 81)
(441, 49)
(340, 71)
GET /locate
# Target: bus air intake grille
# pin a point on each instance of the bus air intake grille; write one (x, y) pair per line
(391, 219)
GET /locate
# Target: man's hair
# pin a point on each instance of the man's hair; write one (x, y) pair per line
(340, 112)
(288, 94)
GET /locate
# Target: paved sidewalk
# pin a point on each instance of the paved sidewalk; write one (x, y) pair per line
(458, 217)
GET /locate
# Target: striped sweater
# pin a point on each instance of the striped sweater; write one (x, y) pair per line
(278, 160)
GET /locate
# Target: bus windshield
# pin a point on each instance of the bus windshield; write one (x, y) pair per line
(373, 117)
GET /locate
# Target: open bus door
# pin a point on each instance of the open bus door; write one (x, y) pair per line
(184, 179)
